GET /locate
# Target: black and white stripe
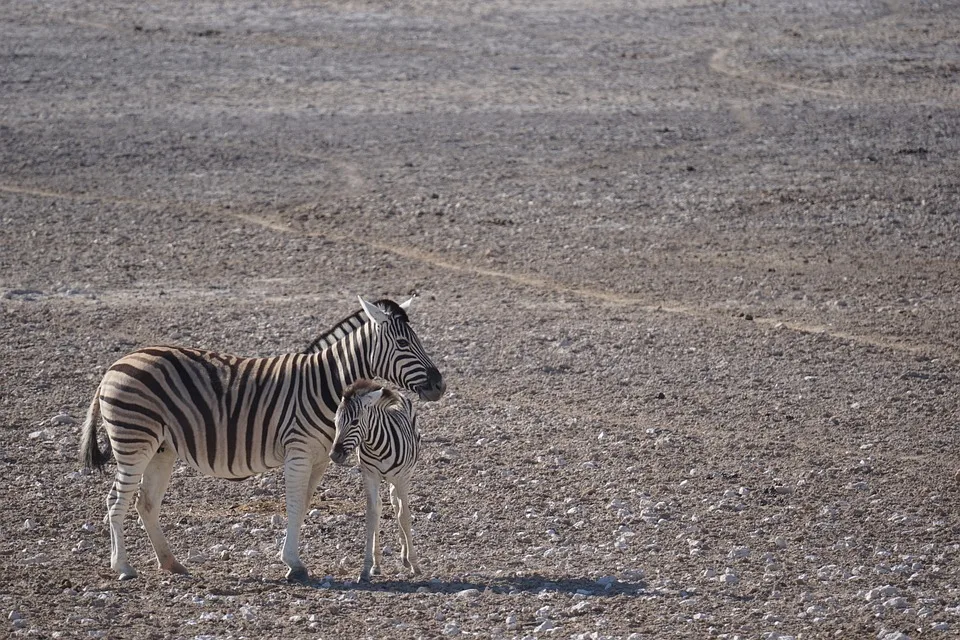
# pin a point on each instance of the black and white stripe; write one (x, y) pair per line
(381, 426)
(233, 417)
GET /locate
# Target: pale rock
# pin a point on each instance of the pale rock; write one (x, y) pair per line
(452, 629)
(511, 622)
(729, 579)
(886, 591)
(29, 524)
(468, 593)
(544, 626)
(738, 553)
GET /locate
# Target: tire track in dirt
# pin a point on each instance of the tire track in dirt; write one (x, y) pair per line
(518, 279)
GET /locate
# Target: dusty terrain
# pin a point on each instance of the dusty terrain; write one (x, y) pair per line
(691, 270)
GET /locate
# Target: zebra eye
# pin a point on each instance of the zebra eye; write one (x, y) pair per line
(403, 343)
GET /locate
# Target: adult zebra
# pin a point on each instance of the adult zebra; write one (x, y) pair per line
(233, 417)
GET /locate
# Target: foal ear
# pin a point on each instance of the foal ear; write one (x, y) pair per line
(406, 303)
(372, 397)
(373, 312)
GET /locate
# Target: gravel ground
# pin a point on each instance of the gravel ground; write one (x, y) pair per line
(691, 270)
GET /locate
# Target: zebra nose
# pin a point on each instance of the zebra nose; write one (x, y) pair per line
(435, 387)
(337, 454)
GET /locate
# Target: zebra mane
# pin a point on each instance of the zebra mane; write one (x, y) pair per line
(351, 323)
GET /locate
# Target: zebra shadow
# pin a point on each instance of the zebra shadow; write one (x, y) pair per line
(466, 585)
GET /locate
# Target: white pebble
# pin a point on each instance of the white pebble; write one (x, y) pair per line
(546, 625)
(62, 418)
(468, 593)
(451, 629)
(29, 524)
(886, 591)
(580, 607)
(729, 579)
(739, 552)
(940, 626)
(40, 558)
(89, 527)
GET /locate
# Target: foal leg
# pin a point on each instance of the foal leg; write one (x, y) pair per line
(371, 553)
(400, 497)
(155, 481)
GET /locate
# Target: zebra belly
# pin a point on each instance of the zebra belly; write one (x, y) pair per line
(219, 461)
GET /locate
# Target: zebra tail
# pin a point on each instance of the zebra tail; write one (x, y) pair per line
(90, 453)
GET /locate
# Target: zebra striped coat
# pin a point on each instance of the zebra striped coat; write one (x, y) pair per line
(233, 417)
(381, 426)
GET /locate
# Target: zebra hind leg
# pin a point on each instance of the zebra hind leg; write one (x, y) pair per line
(118, 502)
(154, 484)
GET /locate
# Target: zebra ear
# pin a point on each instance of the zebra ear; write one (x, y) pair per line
(372, 397)
(406, 304)
(373, 312)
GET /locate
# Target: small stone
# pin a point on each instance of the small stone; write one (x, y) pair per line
(88, 527)
(580, 607)
(63, 419)
(29, 524)
(894, 635)
(729, 579)
(940, 626)
(546, 625)
(451, 629)
(14, 615)
(739, 552)
(468, 593)
(40, 558)
(511, 622)
(886, 591)
(277, 520)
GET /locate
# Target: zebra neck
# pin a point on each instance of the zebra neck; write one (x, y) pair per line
(347, 360)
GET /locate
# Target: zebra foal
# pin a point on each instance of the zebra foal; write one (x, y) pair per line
(233, 417)
(381, 426)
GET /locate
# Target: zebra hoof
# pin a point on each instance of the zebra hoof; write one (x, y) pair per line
(128, 575)
(298, 574)
(363, 577)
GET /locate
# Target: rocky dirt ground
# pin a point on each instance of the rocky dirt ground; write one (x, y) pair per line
(691, 269)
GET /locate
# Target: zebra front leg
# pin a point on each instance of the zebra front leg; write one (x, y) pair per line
(319, 468)
(155, 481)
(400, 498)
(296, 472)
(118, 501)
(371, 552)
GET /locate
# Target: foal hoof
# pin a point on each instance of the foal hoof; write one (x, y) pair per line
(128, 575)
(298, 574)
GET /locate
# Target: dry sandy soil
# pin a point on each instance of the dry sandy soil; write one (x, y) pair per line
(691, 269)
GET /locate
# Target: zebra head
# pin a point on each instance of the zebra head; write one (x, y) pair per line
(350, 428)
(396, 353)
